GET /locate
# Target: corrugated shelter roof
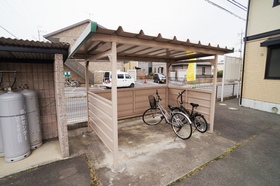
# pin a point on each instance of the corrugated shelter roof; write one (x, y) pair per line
(18, 50)
(96, 40)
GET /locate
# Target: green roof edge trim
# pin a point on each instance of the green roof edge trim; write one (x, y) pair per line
(89, 30)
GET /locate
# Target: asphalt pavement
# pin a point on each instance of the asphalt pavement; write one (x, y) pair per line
(253, 160)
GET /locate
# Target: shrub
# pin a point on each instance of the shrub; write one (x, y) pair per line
(220, 74)
(151, 74)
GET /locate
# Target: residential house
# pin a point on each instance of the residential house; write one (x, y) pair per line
(261, 66)
(76, 68)
(203, 70)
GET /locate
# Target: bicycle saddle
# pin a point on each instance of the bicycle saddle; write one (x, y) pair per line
(194, 104)
(171, 107)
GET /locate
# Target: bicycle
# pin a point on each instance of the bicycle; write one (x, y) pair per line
(179, 121)
(197, 119)
(72, 83)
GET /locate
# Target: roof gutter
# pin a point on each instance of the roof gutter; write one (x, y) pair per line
(244, 54)
(89, 30)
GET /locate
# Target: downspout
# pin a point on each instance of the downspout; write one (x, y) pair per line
(244, 53)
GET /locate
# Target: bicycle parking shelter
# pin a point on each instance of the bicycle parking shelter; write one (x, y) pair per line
(97, 44)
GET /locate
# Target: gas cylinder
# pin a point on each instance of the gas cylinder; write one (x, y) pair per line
(33, 118)
(14, 127)
(1, 138)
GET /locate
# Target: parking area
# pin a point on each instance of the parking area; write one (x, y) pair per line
(148, 155)
(243, 150)
(152, 155)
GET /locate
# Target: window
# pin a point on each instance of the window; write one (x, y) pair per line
(203, 70)
(120, 76)
(276, 2)
(272, 70)
(127, 76)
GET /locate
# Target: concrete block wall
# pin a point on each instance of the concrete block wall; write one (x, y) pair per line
(39, 77)
(74, 75)
(94, 67)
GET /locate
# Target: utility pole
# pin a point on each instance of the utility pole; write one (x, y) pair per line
(241, 43)
(39, 32)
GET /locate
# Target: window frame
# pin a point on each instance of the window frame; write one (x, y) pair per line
(276, 3)
(268, 62)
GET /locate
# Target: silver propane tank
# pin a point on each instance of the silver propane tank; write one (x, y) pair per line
(14, 127)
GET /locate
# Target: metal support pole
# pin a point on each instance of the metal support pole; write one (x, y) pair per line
(114, 106)
(213, 100)
(87, 89)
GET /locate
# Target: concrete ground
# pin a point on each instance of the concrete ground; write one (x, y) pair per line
(243, 150)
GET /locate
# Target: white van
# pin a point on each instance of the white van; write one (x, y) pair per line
(123, 80)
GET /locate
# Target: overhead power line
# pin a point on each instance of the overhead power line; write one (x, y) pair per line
(240, 4)
(214, 4)
(235, 3)
(8, 31)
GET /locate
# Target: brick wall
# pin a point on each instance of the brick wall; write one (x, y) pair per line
(39, 77)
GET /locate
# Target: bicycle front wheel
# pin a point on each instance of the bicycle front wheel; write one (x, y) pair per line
(152, 116)
(200, 123)
(181, 125)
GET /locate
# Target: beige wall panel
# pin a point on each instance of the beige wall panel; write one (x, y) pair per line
(101, 115)
(263, 17)
(101, 104)
(125, 101)
(141, 103)
(199, 95)
(100, 118)
(254, 85)
(125, 114)
(102, 126)
(202, 103)
(141, 99)
(103, 136)
(104, 93)
(142, 106)
(125, 93)
(137, 106)
(125, 107)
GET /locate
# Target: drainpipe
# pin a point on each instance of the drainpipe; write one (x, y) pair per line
(244, 53)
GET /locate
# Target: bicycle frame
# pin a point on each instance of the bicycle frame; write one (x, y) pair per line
(164, 113)
(189, 113)
(179, 121)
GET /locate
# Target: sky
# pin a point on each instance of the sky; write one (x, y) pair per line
(196, 20)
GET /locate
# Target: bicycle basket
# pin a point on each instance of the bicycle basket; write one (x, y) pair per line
(152, 101)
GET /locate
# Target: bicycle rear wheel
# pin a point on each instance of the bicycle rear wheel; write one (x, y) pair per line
(200, 123)
(152, 116)
(181, 125)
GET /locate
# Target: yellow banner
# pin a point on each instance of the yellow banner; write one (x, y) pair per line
(191, 72)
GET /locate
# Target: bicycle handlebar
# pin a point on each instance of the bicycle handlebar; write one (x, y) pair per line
(158, 95)
(180, 95)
